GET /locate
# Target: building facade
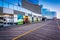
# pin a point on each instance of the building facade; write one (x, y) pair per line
(32, 7)
(12, 12)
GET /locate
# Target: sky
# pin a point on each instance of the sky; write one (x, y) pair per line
(48, 14)
(52, 5)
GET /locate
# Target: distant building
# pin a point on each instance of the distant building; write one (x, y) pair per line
(48, 14)
(32, 7)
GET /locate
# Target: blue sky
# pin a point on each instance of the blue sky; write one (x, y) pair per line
(52, 5)
(48, 14)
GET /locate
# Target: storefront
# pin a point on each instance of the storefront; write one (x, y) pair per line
(6, 19)
(19, 17)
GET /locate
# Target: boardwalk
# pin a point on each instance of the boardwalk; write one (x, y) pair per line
(39, 31)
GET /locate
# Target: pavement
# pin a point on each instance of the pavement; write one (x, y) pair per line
(38, 31)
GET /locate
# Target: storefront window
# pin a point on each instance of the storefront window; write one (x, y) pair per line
(20, 16)
(5, 4)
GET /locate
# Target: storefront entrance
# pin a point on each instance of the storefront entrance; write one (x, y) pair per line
(26, 20)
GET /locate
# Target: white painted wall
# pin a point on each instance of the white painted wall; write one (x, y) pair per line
(8, 11)
(15, 18)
